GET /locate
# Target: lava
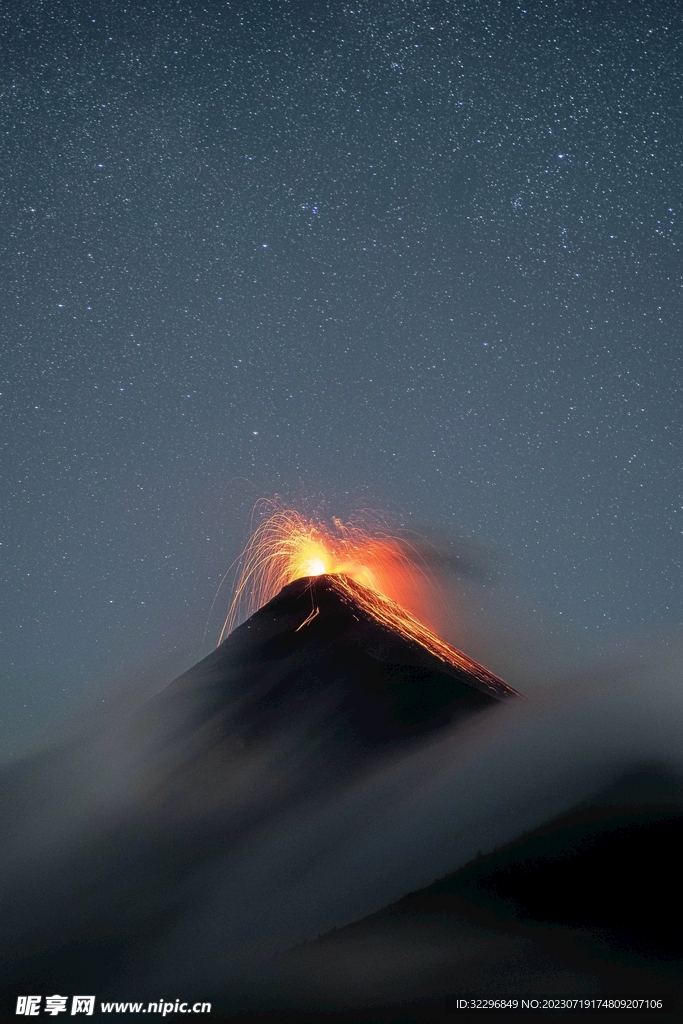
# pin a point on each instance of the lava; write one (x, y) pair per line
(286, 546)
(393, 615)
(379, 572)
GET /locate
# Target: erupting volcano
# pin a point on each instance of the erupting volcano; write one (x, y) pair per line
(267, 828)
(378, 573)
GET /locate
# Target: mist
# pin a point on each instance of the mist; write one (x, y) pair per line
(426, 814)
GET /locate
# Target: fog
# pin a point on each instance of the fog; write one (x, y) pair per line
(424, 815)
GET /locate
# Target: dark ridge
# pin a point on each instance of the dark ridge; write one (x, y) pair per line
(611, 871)
(609, 867)
(585, 905)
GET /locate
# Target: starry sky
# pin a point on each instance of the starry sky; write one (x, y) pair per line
(417, 255)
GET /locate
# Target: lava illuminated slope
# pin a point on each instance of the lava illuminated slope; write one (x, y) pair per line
(391, 615)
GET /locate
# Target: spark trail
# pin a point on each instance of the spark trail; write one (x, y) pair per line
(376, 571)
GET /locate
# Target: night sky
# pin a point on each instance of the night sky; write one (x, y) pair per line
(423, 257)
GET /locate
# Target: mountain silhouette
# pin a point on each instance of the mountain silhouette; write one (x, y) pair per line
(315, 657)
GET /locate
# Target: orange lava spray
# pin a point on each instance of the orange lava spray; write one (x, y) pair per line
(379, 572)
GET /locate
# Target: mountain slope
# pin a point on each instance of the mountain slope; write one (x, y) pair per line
(316, 653)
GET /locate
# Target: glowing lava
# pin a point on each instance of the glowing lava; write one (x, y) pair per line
(285, 546)
(374, 570)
